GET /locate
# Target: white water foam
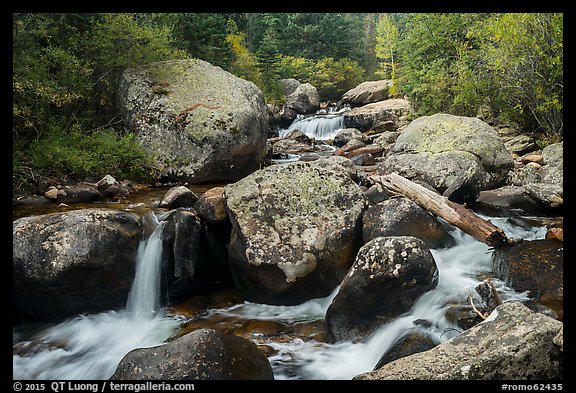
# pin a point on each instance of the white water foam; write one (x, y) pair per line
(91, 346)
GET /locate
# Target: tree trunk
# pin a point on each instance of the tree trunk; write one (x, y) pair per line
(452, 212)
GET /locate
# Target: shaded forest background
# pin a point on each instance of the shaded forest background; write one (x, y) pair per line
(66, 70)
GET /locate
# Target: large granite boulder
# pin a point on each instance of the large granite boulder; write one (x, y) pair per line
(514, 343)
(198, 122)
(204, 354)
(296, 230)
(459, 156)
(80, 261)
(304, 99)
(367, 92)
(388, 276)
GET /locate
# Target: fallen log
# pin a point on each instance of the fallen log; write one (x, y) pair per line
(454, 213)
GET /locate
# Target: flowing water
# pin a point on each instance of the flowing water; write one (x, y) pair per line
(91, 346)
(320, 126)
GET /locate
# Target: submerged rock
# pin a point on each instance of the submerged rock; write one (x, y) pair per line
(514, 343)
(204, 354)
(296, 229)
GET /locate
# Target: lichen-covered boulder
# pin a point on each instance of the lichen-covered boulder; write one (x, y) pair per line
(296, 230)
(514, 343)
(79, 261)
(198, 122)
(459, 156)
(204, 354)
(388, 276)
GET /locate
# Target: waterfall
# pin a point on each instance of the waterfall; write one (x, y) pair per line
(91, 346)
(144, 297)
(321, 127)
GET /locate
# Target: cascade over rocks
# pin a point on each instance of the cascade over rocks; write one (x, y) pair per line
(296, 230)
(198, 122)
(204, 354)
(514, 343)
(388, 276)
(75, 262)
(459, 156)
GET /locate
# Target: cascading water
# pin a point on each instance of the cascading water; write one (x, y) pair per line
(459, 270)
(91, 346)
(319, 127)
(143, 299)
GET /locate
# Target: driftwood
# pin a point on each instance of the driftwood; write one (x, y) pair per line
(454, 213)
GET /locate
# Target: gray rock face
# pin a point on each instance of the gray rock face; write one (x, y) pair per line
(179, 196)
(304, 99)
(388, 276)
(367, 92)
(296, 229)
(459, 156)
(402, 217)
(204, 354)
(74, 262)
(198, 122)
(514, 343)
(365, 117)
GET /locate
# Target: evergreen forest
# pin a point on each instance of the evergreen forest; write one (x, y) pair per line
(67, 66)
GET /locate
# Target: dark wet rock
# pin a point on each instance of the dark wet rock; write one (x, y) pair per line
(400, 216)
(184, 271)
(535, 266)
(75, 262)
(411, 342)
(388, 276)
(204, 354)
